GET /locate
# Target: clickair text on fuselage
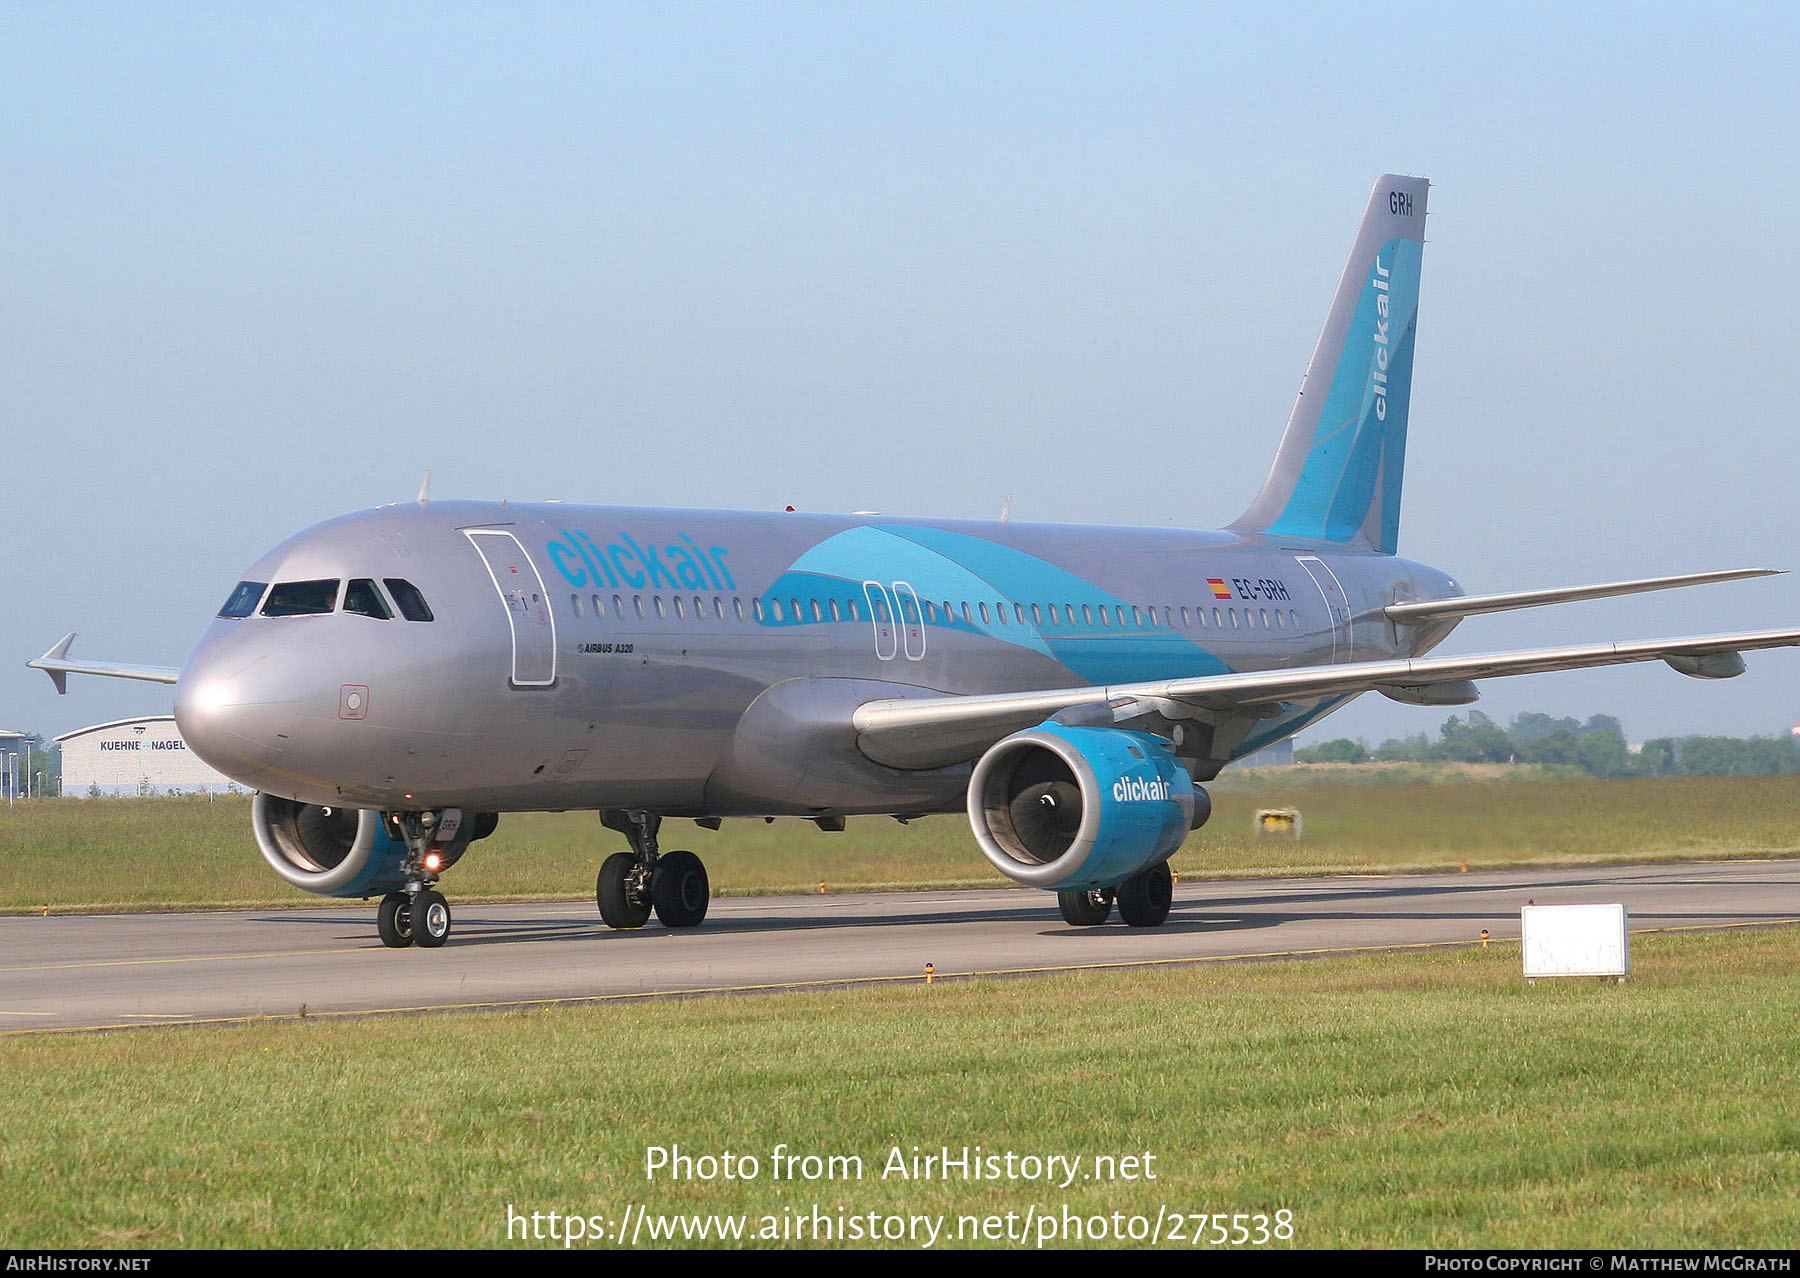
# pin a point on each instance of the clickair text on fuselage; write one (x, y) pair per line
(680, 565)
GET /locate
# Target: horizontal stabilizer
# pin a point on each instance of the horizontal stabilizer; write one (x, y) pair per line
(55, 663)
(1473, 605)
(934, 731)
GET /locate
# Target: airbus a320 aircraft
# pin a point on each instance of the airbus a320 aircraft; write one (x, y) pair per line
(391, 681)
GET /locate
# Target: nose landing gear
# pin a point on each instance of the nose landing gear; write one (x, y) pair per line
(418, 914)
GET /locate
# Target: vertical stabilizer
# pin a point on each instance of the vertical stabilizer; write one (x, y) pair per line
(1337, 475)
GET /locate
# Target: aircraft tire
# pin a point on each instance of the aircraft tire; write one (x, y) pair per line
(393, 920)
(1144, 899)
(1085, 909)
(679, 889)
(431, 919)
(612, 893)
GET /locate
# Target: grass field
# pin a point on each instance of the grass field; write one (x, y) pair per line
(1428, 1100)
(175, 853)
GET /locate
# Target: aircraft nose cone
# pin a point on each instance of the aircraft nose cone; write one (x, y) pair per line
(233, 722)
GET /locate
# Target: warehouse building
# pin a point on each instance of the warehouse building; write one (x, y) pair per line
(13, 770)
(132, 757)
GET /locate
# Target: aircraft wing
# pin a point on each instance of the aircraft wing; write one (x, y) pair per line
(56, 664)
(934, 731)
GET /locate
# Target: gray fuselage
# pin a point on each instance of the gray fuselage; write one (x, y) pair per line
(705, 663)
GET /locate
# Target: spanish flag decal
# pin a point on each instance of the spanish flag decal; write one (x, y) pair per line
(1219, 588)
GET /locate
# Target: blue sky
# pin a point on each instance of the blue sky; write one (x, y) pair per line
(267, 264)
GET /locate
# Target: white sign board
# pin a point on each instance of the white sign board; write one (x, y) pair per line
(1575, 940)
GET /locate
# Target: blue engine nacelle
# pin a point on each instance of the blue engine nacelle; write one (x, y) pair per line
(1070, 809)
(331, 851)
(347, 851)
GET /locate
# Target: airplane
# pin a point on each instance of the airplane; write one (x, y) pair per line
(389, 682)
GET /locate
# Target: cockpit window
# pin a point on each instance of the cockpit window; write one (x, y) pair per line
(361, 598)
(301, 598)
(406, 595)
(244, 599)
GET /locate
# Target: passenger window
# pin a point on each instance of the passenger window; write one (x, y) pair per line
(361, 598)
(301, 598)
(599, 607)
(574, 603)
(407, 598)
(679, 610)
(775, 609)
(618, 606)
(662, 609)
(855, 611)
(1037, 616)
(244, 599)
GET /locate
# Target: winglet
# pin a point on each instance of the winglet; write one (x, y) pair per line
(58, 677)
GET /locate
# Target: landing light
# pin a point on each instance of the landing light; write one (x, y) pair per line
(433, 861)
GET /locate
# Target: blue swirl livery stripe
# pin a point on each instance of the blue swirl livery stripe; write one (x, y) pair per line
(948, 568)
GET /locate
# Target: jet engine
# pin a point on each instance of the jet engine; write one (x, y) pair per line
(346, 851)
(1070, 809)
(331, 851)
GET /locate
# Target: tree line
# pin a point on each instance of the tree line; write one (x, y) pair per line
(1596, 746)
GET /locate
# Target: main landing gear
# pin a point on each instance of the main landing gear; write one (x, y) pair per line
(418, 914)
(632, 884)
(1143, 900)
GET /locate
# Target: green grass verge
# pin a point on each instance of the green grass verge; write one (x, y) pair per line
(188, 853)
(1404, 1100)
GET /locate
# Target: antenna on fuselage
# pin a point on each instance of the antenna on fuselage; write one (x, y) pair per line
(1006, 509)
(425, 489)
